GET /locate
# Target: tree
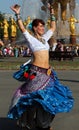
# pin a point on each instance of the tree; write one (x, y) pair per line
(1, 25)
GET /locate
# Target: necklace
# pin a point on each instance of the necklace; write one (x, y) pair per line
(40, 39)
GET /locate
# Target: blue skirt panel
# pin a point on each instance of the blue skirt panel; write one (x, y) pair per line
(45, 90)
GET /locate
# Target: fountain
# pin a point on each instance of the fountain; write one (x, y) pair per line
(32, 8)
(38, 9)
(76, 13)
(62, 26)
(67, 28)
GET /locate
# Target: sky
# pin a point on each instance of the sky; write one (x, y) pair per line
(5, 5)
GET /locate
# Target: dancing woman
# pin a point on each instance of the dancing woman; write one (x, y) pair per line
(42, 96)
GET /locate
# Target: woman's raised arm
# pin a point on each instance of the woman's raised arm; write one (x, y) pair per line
(16, 8)
(52, 18)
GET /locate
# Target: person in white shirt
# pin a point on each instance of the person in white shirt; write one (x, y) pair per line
(36, 102)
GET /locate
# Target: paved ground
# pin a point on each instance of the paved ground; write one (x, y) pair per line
(62, 121)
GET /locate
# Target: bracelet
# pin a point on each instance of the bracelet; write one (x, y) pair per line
(53, 17)
(18, 16)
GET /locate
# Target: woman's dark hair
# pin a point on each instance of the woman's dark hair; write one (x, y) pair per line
(36, 22)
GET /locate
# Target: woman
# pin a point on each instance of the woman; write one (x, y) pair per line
(42, 96)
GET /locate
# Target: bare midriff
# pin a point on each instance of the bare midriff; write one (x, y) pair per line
(41, 59)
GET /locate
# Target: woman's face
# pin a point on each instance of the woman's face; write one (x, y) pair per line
(39, 29)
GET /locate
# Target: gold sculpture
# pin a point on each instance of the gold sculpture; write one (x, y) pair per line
(48, 24)
(5, 28)
(72, 20)
(27, 22)
(13, 28)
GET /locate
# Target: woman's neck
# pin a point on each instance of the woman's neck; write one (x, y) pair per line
(39, 37)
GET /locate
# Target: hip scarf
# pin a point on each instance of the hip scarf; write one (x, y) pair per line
(43, 88)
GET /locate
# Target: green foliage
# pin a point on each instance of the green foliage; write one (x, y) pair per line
(1, 29)
(1, 17)
(14, 63)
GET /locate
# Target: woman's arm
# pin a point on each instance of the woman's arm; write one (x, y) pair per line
(16, 9)
(52, 18)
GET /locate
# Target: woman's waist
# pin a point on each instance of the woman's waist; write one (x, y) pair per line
(44, 65)
(41, 62)
(47, 70)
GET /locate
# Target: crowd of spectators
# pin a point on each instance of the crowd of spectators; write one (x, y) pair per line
(14, 51)
(59, 47)
(23, 51)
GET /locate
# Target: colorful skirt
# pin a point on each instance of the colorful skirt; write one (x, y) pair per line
(43, 88)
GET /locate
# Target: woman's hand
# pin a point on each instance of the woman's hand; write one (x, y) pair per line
(50, 7)
(16, 8)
